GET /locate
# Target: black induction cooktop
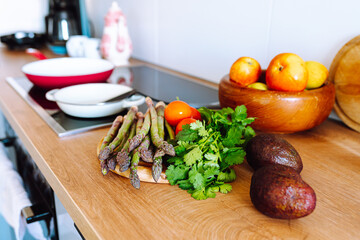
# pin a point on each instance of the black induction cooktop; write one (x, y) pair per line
(147, 81)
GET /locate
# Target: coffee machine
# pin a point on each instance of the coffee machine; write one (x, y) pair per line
(66, 18)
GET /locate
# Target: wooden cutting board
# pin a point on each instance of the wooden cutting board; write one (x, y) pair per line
(345, 73)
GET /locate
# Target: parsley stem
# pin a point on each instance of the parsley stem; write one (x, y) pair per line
(206, 141)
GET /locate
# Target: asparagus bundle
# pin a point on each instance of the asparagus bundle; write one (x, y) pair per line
(108, 150)
(131, 139)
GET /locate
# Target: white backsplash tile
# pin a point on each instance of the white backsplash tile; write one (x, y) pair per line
(204, 38)
(315, 30)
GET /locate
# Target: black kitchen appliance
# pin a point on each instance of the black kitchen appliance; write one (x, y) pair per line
(37, 188)
(21, 40)
(66, 18)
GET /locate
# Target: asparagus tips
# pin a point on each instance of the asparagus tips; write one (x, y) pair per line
(111, 162)
(160, 108)
(134, 178)
(104, 167)
(147, 155)
(112, 132)
(123, 158)
(168, 148)
(104, 154)
(136, 140)
(170, 131)
(157, 165)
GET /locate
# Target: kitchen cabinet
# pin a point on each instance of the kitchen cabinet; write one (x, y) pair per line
(108, 207)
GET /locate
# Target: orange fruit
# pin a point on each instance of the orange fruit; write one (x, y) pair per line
(244, 71)
(177, 111)
(182, 123)
(195, 114)
(287, 72)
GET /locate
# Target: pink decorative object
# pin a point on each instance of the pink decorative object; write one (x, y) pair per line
(116, 44)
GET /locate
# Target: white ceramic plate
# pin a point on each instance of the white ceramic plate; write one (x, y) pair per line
(88, 100)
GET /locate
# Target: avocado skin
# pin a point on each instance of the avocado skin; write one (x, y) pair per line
(278, 191)
(267, 149)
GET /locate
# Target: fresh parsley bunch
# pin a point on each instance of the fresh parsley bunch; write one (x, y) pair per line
(206, 150)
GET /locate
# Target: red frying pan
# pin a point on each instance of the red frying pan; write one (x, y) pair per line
(62, 72)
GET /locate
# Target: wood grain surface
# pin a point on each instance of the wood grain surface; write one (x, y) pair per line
(110, 208)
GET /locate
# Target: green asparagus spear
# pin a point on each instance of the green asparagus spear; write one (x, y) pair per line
(123, 158)
(157, 165)
(136, 140)
(134, 178)
(145, 151)
(123, 141)
(112, 132)
(139, 121)
(106, 152)
(154, 130)
(111, 161)
(130, 116)
(160, 108)
(170, 131)
(105, 164)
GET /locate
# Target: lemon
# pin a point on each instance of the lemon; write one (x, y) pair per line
(258, 85)
(318, 74)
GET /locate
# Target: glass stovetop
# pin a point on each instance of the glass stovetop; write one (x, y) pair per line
(157, 84)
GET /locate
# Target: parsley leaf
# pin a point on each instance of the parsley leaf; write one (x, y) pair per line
(185, 184)
(198, 194)
(225, 188)
(234, 136)
(211, 172)
(194, 155)
(227, 176)
(174, 174)
(187, 134)
(239, 114)
(234, 156)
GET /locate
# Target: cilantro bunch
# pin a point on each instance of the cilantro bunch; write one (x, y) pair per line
(206, 150)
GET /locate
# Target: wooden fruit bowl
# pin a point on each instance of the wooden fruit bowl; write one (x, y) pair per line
(280, 112)
(144, 170)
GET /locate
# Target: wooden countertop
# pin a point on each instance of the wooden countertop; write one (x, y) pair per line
(110, 208)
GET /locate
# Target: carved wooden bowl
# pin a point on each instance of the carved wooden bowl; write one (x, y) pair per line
(277, 111)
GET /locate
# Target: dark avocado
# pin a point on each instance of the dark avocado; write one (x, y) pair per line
(267, 149)
(278, 191)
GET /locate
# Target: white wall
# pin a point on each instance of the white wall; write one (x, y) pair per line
(204, 37)
(22, 15)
